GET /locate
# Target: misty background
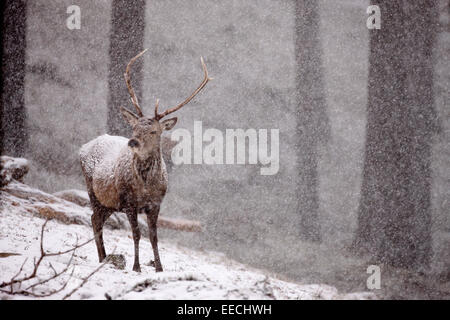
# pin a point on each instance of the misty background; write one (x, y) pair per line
(298, 66)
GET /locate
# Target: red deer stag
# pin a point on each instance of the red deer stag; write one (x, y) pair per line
(129, 175)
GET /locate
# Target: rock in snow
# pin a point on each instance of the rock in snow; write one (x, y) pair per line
(12, 168)
(51, 206)
(79, 197)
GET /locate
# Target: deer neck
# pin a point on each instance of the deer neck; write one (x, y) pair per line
(148, 168)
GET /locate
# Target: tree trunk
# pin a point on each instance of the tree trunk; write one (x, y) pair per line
(312, 121)
(126, 41)
(394, 222)
(14, 135)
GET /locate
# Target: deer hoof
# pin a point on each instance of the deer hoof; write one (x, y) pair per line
(137, 268)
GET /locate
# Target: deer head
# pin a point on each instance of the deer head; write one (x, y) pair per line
(147, 131)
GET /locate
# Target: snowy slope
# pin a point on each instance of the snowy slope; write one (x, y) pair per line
(188, 274)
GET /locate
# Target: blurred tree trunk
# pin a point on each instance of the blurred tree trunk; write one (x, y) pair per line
(394, 223)
(14, 135)
(126, 41)
(312, 121)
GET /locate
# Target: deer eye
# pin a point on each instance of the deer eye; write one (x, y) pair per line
(152, 132)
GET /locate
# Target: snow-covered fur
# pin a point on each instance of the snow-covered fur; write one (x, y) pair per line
(127, 175)
(112, 168)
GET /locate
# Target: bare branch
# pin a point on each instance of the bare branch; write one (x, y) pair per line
(56, 274)
(36, 264)
(15, 276)
(51, 266)
(87, 278)
(69, 250)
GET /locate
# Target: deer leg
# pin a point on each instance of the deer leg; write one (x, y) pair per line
(132, 218)
(152, 218)
(98, 220)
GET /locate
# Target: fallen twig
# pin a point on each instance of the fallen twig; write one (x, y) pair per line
(19, 281)
(86, 279)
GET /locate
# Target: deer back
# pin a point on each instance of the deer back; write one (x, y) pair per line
(99, 159)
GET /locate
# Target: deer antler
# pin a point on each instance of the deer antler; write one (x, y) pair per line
(200, 87)
(156, 109)
(134, 99)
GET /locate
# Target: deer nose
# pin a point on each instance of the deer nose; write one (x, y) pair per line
(133, 143)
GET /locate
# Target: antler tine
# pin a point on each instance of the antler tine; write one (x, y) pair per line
(134, 99)
(156, 108)
(200, 87)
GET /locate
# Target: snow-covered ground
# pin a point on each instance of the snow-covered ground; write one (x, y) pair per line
(188, 274)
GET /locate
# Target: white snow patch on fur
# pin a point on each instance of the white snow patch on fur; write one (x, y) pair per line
(101, 153)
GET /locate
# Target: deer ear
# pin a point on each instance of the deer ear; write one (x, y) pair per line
(169, 123)
(129, 116)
